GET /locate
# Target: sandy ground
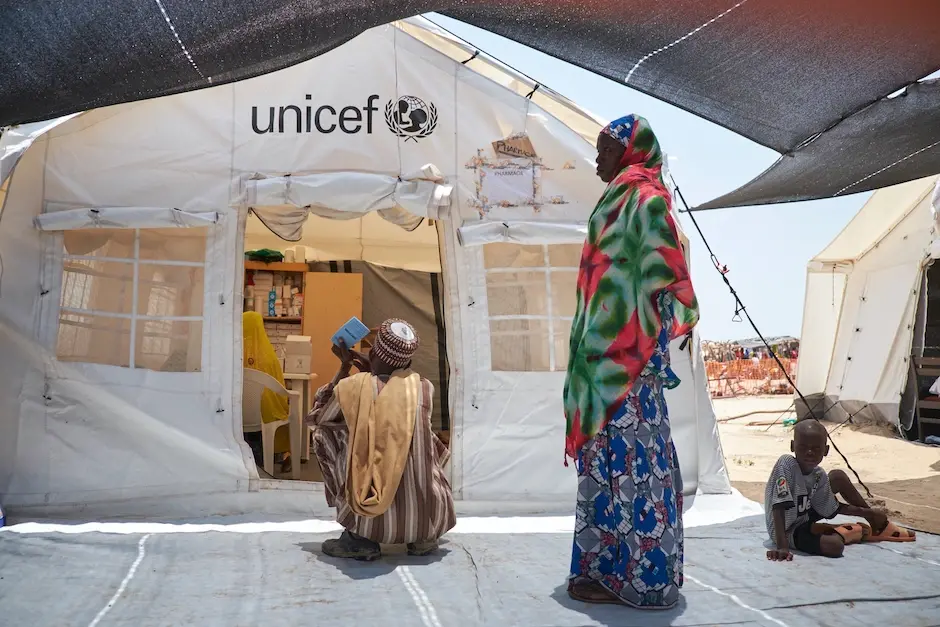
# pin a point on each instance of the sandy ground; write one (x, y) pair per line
(904, 477)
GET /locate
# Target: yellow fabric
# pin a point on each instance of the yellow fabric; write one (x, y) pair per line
(381, 427)
(258, 354)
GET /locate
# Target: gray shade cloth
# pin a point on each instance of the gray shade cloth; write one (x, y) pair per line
(779, 73)
(892, 141)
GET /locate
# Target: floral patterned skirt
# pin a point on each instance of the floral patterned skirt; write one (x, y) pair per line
(628, 527)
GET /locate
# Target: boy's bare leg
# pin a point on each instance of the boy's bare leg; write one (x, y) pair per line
(842, 486)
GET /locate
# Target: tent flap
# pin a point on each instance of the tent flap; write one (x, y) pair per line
(351, 193)
(15, 141)
(286, 222)
(123, 218)
(479, 233)
(283, 203)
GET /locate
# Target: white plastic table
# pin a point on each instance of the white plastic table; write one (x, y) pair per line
(297, 431)
(305, 379)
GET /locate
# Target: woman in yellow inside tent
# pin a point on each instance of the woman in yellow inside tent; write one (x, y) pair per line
(259, 354)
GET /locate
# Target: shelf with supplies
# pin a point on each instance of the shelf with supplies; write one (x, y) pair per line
(275, 292)
(278, 292)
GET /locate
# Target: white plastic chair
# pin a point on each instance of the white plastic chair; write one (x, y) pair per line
(255, 383)
(308, 435)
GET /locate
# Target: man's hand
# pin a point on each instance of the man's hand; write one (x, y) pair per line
(877, 520)
(351, 357)
(780, 555)
(361, 362)
(344, 354)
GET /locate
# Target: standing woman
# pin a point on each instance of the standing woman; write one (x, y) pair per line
(634, 296)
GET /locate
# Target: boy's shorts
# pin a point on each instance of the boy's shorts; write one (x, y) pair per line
(803, 537)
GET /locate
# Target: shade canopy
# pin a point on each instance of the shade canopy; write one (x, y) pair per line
(806, 78)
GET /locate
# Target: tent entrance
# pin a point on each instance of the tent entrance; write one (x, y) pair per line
(930, 301)
(338, 268)
(920, 404)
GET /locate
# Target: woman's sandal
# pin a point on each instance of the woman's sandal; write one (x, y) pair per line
(593, 593)
(893, 533)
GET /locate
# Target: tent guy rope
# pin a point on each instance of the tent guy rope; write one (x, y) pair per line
(740, 309)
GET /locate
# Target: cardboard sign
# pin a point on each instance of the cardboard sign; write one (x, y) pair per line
(515, 146)
(509, 187)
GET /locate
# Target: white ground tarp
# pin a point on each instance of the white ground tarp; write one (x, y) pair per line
(134, 390)
(504, 570)
(862, 294)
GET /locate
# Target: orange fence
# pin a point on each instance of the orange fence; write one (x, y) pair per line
(743, 377)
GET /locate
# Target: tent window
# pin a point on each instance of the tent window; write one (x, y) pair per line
(531, 298)
(133, 298)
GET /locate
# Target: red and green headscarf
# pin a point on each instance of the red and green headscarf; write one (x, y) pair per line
(632, 254)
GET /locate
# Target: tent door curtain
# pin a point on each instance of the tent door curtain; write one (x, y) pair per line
(123, 218)
(518, 232)
(283, 203)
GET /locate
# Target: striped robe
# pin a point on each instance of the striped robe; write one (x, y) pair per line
(423, 509)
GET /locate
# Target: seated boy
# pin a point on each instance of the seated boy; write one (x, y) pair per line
(799, 493)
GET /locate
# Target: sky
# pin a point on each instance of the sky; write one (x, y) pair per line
(765, 248)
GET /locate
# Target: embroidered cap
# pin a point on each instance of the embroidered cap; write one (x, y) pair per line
(395, 343)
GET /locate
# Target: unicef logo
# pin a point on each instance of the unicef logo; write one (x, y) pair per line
(411, 118)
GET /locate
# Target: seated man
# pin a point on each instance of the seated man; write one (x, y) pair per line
(799, 494)
(383, 467)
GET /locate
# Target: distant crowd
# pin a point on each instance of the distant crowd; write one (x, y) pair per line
(788, 348)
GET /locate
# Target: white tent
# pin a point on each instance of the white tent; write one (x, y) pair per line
(865, 307)
(319, 151)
